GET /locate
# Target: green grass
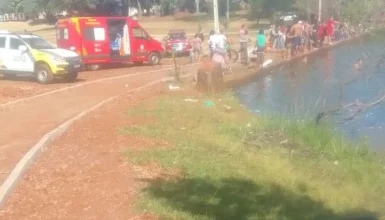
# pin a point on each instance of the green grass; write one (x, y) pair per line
(238, 166)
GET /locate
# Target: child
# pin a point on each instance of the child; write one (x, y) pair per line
(197, 47)
(261, 45)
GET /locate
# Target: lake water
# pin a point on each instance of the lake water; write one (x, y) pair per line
(305, 88)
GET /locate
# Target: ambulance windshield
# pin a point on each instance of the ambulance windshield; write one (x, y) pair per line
(38, 43)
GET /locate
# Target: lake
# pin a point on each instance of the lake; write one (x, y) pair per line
(325, 82)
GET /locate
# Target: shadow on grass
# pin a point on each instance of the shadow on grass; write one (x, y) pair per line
(240, 199)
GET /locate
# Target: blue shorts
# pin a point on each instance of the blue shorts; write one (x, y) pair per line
(297, 41)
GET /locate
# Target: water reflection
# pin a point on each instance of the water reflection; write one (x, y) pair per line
(328, 81)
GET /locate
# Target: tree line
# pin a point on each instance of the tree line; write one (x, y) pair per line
(353, 10)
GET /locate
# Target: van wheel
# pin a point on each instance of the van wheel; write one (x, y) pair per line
(93, 67)
(44, 74)
(71, 77)
(154, 58)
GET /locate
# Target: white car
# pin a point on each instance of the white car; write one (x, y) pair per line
(27, 54)
(291, 16)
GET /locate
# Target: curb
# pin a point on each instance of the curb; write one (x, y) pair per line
(14, 177)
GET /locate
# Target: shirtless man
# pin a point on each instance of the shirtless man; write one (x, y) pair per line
(296, 32)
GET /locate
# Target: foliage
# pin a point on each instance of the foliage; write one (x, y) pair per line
(359, 11)
(233, 165)
(268, 8)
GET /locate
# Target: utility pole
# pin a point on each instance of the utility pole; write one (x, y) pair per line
(216, 18)
(319, 10)
(228, 12)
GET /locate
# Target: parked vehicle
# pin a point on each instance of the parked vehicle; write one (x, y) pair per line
(26, 54)
(288, 17)
(177, 41)
(103, 40)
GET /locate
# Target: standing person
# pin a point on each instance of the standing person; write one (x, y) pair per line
(201, 34)
(306, 36)
(288, 42)
(330, 29)
(322, 33)
(261, 45)
(219, 49)
(243, 40)
(280, 43)
(296, 32)
(212, 42)
(197, 47)
(274, 36)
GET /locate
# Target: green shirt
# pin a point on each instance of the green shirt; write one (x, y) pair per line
(261, 40)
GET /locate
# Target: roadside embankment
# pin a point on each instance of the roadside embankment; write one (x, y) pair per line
(207, 157)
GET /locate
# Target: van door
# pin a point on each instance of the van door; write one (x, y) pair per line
(139, 44)
(17, 60)
(3, 40)
(95, 43)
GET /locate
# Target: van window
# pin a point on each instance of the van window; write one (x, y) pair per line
(139, 33)
(15, 43)
(62, 34)
(2, 42)
(94, 34)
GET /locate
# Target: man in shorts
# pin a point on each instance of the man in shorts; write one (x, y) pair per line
(297, 33)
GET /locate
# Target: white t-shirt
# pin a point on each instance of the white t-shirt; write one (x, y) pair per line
(220, 41)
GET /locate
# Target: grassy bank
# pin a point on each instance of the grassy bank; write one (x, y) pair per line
(234, 165)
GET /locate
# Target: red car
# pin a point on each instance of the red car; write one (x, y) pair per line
(177, 41)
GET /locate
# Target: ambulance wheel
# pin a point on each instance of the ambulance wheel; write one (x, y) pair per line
(44, 74)
(93, 67)
(138, 63)
(154, 58)
(71, 77)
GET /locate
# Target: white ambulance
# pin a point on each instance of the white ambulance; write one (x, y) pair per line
(26, 54)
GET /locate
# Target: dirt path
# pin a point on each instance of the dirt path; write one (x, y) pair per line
(82, 175)
(11, 90)
(28, 121)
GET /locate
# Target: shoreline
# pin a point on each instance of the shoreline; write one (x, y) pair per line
(238, 79)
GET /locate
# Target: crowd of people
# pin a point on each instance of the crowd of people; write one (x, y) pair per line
(302, 36)
(287, 40)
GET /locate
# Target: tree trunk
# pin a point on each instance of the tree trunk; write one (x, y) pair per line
(139, 8)
(197, 11)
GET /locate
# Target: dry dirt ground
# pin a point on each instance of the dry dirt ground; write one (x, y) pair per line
(83, 174)
(11, 90)
(27, 121)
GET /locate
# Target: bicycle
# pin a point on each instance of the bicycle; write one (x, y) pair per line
(231, 53)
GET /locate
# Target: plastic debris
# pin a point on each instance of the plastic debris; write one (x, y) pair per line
(209, 103)
(174, 88)
(191, 100)
(227, 107)
(267, 62)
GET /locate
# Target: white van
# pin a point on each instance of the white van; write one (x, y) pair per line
(26, 54)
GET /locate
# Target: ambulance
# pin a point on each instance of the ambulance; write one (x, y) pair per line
(102, 40)
(26, 54)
